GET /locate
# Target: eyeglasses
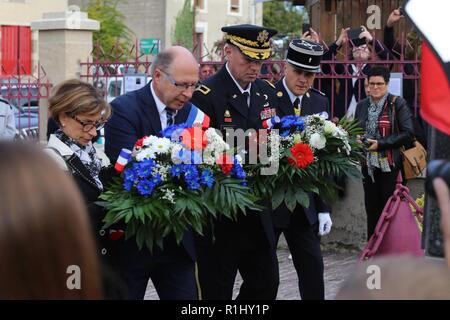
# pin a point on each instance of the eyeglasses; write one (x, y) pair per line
(376, 84)
(182, 86)
(88, 126)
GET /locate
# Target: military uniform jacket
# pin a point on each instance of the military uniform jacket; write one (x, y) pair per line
(223, 102)
(313, 101)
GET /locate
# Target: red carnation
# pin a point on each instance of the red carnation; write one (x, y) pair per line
(301, 155)
(139, 143)
(194, 138)
(226, 163)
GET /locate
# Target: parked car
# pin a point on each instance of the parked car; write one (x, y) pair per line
(20, 94)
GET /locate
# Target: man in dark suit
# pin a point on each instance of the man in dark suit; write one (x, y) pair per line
(303, 227)
(163, 102)
(234, 98)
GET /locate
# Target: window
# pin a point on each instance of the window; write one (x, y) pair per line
(234, 7)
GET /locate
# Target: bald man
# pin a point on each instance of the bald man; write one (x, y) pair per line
(147, 111)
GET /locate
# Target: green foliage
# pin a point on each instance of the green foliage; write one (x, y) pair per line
(287, 19)
(114, 37)
(150, 219)
(284, 17)
(183, 27)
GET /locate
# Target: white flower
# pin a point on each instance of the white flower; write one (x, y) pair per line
(149, 140)
(161, 145)
(317, 141)
(329, 127)
(144, 154)
(168, 195)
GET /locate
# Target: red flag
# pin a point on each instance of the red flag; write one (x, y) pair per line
(435, 94)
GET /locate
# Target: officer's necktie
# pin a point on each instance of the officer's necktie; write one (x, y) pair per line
(246, 97)
(297, 107)
(170, 115)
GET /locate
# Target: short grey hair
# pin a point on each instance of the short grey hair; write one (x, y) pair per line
(162, 61)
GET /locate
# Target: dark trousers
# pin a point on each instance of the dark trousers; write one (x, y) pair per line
(376, 194)
(304, 244)
(172, 272)
(218, 264)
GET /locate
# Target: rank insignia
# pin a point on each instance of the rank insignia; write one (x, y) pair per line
(227, 116)
(279, 94)
(266, 113)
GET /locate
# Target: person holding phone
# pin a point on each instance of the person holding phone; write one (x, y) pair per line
(349, 91)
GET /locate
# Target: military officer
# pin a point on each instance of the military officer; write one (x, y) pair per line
(234, 98)
(303, 228)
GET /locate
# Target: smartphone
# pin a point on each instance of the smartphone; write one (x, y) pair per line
(402, 11)
(306, 27)
(354, 33)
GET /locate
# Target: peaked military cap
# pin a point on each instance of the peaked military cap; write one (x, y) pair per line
(252, 41)
(305, 55)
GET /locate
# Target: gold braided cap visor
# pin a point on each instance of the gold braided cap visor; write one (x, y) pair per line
(252, 53)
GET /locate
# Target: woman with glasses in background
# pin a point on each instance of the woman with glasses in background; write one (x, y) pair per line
(80, 111)
(388, 125)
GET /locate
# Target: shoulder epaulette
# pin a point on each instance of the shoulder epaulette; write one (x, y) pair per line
(318, 91)
(204, 89)
(270, 83)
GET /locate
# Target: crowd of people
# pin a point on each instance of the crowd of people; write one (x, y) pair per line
(60, 224)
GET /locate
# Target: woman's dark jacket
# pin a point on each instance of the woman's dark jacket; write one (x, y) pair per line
(402, 126)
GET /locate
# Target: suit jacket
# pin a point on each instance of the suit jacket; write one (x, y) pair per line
(312, 102)
(135, 115)
(227, 108)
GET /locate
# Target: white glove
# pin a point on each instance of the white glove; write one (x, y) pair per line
(325, 223)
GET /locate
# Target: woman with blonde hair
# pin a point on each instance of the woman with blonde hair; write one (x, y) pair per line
(81, 111)
(46, 246)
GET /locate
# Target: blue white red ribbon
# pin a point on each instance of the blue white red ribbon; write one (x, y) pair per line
(197, 117)
(270, 123)
(122, 160)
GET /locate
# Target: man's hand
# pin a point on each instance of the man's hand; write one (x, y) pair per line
(325, 223)
(343, 37)
(366, 34)
(393, 18)
(373, 145)
(311, 35)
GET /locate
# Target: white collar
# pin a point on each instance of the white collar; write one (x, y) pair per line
(239, 87)
(159, 104)
(63, 148)
(291, 95)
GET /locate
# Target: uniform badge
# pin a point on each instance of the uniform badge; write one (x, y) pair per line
(227, 116)
(279, 94)
(266, 113)
(234, 97)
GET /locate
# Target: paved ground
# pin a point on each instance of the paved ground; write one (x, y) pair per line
(337, 268)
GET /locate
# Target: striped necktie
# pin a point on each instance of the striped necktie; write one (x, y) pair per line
(170, 115)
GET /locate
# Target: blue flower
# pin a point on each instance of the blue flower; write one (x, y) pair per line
(173, 132)
(145, 187)
(238, 171)
(145, 168)
(177, 170)
(207, 178)
(130, 177)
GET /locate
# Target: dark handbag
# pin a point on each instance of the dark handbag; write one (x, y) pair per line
(397, 231)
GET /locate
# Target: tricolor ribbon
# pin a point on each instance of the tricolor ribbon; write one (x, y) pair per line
(122, 160)
(270, 123)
